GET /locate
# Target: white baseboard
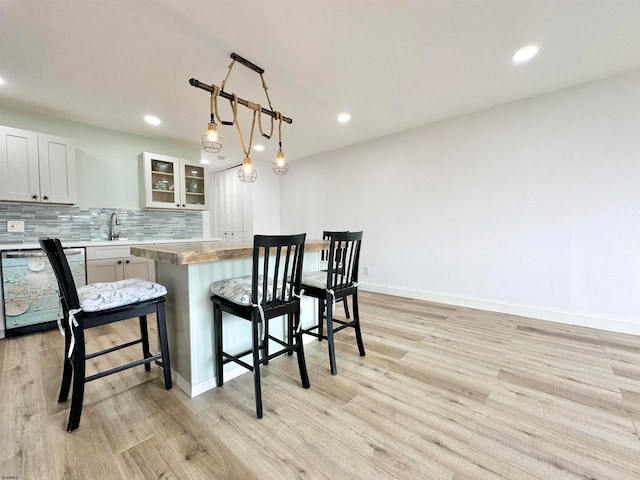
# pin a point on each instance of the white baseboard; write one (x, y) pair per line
(559, 316)
(236, 371)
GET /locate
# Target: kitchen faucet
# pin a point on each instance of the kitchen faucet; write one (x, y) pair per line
(115, 220)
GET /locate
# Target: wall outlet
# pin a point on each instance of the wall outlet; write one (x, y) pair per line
(15, 226)
(366, 270)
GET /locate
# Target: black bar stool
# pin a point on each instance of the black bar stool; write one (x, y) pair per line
(339, 281)
(99, 304)
(324, 261)
(271, 291)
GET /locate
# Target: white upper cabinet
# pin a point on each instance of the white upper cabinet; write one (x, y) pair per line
(36, 168)
(173, 183)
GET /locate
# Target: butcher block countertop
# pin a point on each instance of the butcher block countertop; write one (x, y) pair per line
(203, 252)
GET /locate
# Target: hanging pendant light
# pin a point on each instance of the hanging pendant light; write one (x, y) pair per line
(212, 141)
(247, 173)
(280, 165)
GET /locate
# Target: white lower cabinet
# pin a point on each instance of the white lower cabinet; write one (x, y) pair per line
(108, 264)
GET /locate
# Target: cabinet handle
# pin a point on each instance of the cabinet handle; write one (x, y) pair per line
(34, 196)
(127, 262)
(119, 262)
(45, 197)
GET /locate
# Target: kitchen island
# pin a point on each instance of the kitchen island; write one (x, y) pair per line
(187, 270)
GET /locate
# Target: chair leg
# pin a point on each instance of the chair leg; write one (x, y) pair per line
(290, 333)
(256, 364)
(67, 370)
(320, 319)
(164, 345)
(265, 340)
(144, 335)
(356, 323)
(217, 343)
(78, 380)
(302, 365)
(346, 308)
(332, 352)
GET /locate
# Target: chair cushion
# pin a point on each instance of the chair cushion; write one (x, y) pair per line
(315, 279)
(238, 290)
(103, 296)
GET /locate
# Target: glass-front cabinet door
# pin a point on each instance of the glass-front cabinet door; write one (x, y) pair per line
(194, 176)
(172, 183)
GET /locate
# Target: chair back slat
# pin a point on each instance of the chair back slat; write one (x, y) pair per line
(344, 259)
(277, 269)
(58, 260)
(326, 235)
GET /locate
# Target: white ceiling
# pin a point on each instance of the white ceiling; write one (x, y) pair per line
(393, 64)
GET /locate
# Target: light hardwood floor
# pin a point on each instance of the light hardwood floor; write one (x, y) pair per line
(443, 393)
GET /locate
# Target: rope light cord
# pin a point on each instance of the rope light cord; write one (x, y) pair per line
(214, 105)
(228, 72)
(253, 125)
(253, 106)
(260, 122)
(266, 93)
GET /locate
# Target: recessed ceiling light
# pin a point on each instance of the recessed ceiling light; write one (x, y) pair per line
(525, 54)
(258, 148)
(152, 120)
(2, 82)
(344, 117)
(204, 161)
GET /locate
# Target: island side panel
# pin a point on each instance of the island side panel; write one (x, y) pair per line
(175, 279)
(237, 332)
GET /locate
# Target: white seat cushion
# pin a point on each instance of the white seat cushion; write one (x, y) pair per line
(103, 296)
(315, 279)
(238, 290)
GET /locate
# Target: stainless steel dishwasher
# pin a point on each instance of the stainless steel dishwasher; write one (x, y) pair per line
(30, 289)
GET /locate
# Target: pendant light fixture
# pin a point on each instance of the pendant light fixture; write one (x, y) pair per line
(280, 165)
(247, 172)
(212, 141)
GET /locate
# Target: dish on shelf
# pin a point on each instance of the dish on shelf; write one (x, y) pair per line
(162, 167)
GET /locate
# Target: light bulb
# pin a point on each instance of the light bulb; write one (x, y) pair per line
(280, 160)
(212, 132)
(247, 165)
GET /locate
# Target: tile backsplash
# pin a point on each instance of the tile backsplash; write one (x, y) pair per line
(71, 223)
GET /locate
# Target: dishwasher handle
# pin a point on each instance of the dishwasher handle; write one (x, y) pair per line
(23, 254)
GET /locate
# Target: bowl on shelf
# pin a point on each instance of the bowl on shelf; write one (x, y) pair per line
(162, 167)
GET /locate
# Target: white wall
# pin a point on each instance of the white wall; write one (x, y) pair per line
(266, 202)
(531, 208)
(107, 160)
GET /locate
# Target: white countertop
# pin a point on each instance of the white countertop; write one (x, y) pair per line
(104, 243)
